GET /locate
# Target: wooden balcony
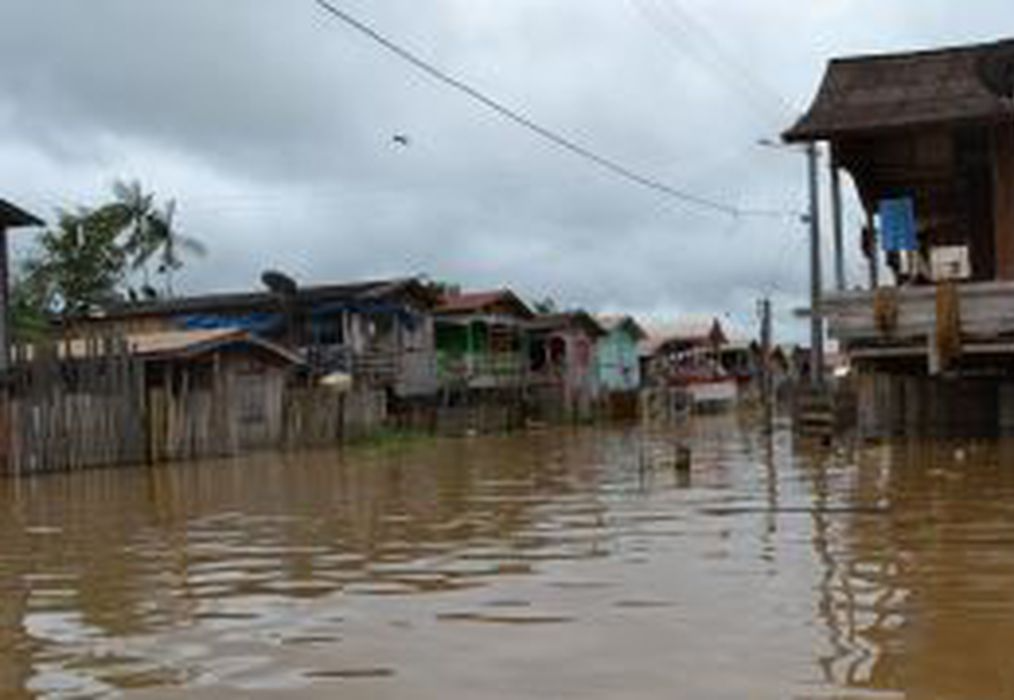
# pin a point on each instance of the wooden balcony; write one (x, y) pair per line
(372, 367)
(902, 322)
(482, 370)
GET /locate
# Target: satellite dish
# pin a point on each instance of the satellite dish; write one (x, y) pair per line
(279, 283)
(996, 69)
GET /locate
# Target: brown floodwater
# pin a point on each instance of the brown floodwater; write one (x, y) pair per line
(557, 564)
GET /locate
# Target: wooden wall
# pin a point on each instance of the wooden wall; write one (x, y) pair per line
(109, 408)
(1003, 197)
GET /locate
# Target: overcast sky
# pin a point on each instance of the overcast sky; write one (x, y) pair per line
(272, 126)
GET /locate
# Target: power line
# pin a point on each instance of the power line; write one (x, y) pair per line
(674, 13)
(688, 42)
(528, 123)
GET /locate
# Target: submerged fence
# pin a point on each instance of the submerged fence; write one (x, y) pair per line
(86, 403)
(73, 405)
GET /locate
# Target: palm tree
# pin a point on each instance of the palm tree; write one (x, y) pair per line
(130, 214)
(147, 234)
(168, 244)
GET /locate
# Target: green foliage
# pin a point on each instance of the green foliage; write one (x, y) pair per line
(29, 322)
(93, 257)
(148, 235)
(79, 268)
(545, 306)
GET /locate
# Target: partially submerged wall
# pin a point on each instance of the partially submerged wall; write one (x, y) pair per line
(900, 405)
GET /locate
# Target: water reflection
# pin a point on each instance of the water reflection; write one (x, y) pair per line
(921, 601)
(544, 565)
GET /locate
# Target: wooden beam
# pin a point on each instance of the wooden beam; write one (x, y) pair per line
(1003, 199)
(5, 312)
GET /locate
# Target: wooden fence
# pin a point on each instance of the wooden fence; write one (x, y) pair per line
(91, 403)
(73, 405)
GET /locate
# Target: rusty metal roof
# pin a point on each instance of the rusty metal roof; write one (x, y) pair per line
(570, 319)
(183, 344)
(689, 329)
(480, 302)
(874, 93)
(191, 343)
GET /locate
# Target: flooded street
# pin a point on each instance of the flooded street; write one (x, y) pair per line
(548, 565)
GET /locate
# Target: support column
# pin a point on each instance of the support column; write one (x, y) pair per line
(838, 218)
(874, 251)
(816, 282)
(1003, 199)
(5, 319)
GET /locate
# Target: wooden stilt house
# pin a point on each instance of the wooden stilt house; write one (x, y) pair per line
(928, 140)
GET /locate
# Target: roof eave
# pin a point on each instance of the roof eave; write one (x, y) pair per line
(12, 216)
(800, 134)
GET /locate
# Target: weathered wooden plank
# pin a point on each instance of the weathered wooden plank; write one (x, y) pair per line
(1003, 199)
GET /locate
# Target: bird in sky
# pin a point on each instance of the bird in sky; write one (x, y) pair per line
(402, 140)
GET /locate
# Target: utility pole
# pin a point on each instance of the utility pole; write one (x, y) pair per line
(816, 282)
(767, 383)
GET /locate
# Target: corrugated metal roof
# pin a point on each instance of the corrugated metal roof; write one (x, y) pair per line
(179, 343)
(869, 93)
(479, 302)
(184, 343)
(551, 322)
(691, 328)
(252, 301)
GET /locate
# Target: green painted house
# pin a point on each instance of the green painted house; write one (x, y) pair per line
(617, 359)
(481, 340)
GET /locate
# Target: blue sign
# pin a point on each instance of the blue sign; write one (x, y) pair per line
(897, 224)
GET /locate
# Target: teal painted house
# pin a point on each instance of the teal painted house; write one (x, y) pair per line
(616, 354)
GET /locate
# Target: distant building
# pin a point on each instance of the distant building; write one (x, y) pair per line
(380, 332)
(481, 340)
(616, 355)
(562, 360)
(675, 350)
(686, 354)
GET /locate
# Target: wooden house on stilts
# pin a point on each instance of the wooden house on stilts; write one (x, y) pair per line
(928, 140)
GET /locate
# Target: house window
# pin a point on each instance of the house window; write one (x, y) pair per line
(558, 351)
(327, 330)
(537, 355)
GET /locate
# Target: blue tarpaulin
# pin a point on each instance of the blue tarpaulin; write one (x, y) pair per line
(897, 224)
(257, 323)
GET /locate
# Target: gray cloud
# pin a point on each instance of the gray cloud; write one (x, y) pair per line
(271, 124)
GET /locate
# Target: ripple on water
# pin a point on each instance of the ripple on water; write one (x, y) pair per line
(504, 619)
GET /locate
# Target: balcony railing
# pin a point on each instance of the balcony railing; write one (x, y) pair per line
(902, 321)
(493, 369)
(374, 367)
(986, 309)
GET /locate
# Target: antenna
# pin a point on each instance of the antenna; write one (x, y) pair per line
(279, 283)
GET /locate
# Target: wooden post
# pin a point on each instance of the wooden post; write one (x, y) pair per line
(5, 340)
(1003, 199)
(766, 379)
(874, 244)
(816, 283)
(838, 219)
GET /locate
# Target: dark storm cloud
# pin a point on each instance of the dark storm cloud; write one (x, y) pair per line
(272, 125)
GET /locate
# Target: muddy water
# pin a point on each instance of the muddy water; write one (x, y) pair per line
(551, 565)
